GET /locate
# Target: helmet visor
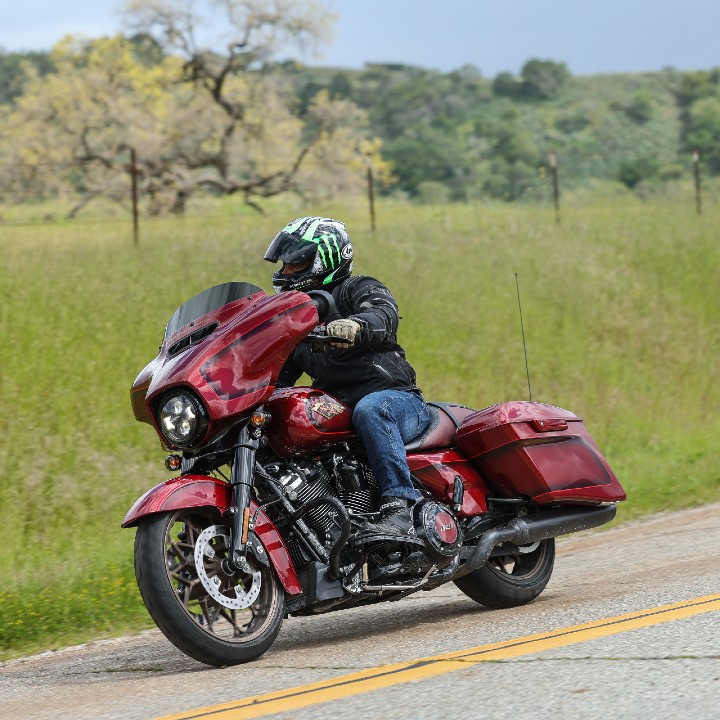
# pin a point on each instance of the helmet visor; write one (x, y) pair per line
(290, 248)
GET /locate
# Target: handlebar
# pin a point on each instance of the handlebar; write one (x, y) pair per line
(324, 302)
(319, 339)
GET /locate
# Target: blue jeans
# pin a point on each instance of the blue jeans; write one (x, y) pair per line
(385, 421)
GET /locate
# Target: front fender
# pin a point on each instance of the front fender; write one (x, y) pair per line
(189, 491)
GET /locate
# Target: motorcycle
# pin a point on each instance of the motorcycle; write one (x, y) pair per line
(267, 514)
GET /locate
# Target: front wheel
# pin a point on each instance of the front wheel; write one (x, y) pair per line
(214, 617)
(512, 576)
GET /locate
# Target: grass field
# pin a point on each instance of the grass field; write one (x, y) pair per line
(621, 314)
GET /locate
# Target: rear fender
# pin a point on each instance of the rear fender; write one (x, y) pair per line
(190, 491)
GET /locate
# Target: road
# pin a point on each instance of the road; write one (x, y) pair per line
(659, 663)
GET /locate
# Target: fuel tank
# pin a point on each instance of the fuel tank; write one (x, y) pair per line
(306, 420)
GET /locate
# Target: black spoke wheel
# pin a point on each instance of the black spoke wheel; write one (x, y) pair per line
(216, 617)
(512, 575)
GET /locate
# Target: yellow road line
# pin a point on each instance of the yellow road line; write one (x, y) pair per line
(388, 675)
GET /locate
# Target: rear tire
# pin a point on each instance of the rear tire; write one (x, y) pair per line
(513, 578)
(181, 606)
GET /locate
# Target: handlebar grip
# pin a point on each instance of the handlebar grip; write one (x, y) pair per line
(324, 303)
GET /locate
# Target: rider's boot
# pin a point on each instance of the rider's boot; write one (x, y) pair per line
(395, 519)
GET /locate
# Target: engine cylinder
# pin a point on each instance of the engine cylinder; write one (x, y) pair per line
(306, 480)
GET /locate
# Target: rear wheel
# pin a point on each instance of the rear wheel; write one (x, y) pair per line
(512, 576)
(214, 617)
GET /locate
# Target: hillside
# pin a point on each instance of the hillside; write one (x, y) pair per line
(448, 136)
(475, 137)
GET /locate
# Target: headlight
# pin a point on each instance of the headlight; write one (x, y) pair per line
(182, 418)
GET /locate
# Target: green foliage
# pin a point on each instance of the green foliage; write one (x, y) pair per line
(442, 160)
(543, 79)
(698, 85)
(480, 138)
(640, 108)
(147, 49)
(16, 68)
(490, 138)
(572, 121)
(703, 131)
(636, 170)
(620, 315)
(506, 85)
(341, 87)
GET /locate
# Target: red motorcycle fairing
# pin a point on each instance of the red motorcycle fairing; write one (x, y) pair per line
(235, 367)
(437, 471)
(306, 420)
(190, 491)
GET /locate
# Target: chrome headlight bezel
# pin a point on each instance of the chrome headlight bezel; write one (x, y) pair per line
(181, 418)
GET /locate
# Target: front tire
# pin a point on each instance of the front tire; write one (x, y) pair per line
(511, 577)
(199, 621)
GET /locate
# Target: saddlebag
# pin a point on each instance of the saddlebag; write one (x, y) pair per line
(528, 449)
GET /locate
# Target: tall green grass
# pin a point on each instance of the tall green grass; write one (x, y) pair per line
(621, 314)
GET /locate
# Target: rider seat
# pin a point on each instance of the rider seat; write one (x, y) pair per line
(445, 419)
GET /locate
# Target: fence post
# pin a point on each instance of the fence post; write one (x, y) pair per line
(696, 173)
(556, 188)
(133, 183)
(371, 190)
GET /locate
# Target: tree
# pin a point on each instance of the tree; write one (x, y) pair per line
(223, 121)
(505, 85)
(221, 70)
(640, 107)
(703, 131)
(543, 79)
(340, 87)
(16, 69)
(634, 171)
(74, 127)
(697, 85)
(424, 154)
(79, 124)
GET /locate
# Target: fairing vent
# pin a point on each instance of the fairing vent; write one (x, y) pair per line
(192, 339)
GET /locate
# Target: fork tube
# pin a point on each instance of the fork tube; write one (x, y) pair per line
(241, 480)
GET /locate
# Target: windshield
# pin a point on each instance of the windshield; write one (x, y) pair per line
(208, 300)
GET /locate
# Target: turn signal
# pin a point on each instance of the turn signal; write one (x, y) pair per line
(173, 463)
(258, 419)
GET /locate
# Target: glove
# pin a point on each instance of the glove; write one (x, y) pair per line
(345, 328)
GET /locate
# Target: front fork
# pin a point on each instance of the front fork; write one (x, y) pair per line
(241, 480)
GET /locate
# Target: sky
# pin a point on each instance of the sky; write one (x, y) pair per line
(590, 36)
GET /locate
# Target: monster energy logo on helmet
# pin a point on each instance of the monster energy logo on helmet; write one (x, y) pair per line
(322, 242)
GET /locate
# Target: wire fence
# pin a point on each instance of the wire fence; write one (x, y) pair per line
(546, 187)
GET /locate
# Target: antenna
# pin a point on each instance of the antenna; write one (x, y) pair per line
(522, 328)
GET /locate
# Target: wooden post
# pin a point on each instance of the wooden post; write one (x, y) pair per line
(371, 190)
(696, 173)
(556, 188)
(133, 181)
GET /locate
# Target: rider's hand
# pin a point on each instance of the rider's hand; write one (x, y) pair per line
(344, 328)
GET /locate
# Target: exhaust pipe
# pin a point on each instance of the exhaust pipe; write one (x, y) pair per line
(534, 528)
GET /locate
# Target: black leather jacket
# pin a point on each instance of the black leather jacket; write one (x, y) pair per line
(375, 362)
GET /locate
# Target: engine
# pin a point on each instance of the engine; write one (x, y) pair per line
(339, 475)
(342, 476)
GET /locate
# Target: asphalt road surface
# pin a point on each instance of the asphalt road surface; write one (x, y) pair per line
(629, 627)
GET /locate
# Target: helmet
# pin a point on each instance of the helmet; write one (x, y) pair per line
(319, 241)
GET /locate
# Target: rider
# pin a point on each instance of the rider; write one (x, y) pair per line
(370, 374)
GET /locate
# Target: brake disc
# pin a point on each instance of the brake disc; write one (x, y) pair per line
(229, 591)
